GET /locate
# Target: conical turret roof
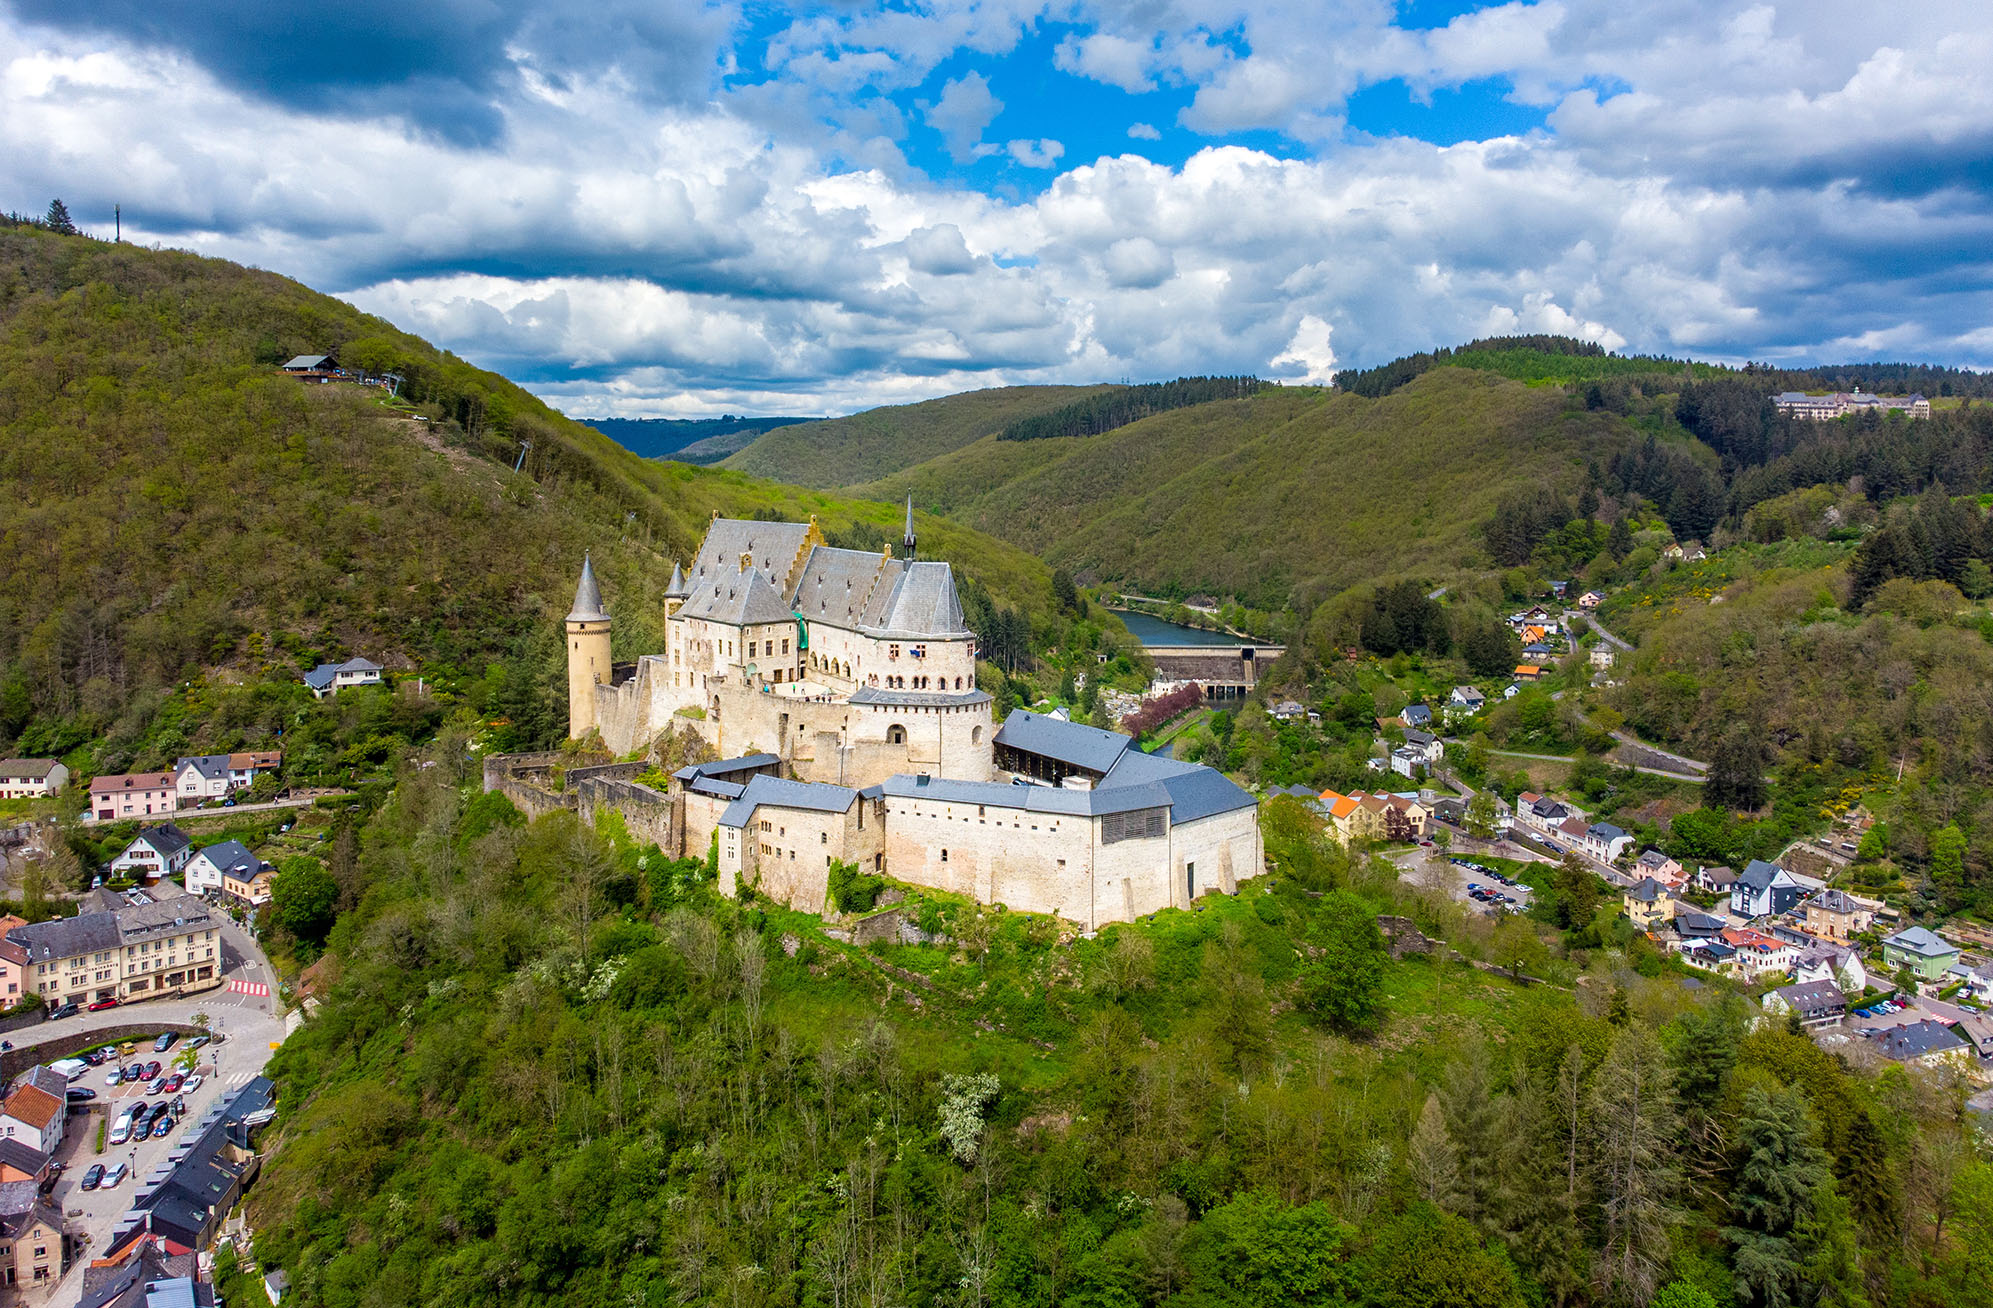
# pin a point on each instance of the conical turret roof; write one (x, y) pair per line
(587, 596)
(677, 589)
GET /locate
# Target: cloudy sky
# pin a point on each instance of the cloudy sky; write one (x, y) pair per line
(647, 208)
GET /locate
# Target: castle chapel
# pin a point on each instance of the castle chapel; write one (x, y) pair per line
(839, 688)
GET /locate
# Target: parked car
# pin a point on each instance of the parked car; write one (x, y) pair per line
(121, 1130)
(173, 1083)
(164, 1042)
(152, 1069)
(198, 1041)
(193, 1084)
(114, 1077)
(96, 1057)
(117, 1174)
(102, 1004)
(163, 1127)
(68, 1008)
(93, 1177)
(80, 1095)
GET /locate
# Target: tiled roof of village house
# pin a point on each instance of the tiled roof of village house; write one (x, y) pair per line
(133, 781)
(30, 768)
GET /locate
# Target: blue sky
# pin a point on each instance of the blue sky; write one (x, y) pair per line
(689, 208)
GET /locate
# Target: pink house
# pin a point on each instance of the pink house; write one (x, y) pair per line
(13, 963)
(135, 794)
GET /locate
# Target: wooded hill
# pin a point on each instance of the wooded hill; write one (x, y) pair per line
(1281, 499)
(178, 510)
(877, 442)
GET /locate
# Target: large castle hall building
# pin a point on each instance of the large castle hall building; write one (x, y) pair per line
(839, 689)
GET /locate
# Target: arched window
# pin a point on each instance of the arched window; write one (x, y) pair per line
(958, 683)
(975, 735)
(896, 734)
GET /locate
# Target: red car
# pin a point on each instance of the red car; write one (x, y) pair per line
(102, 1004)
(152, 1069)
(173, 1083)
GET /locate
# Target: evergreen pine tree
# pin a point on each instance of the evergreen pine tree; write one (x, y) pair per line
(1779, 1170)
(1432, 1157)
(57, 218)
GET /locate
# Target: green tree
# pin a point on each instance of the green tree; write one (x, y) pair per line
(1256, 1251)
(1977, 579)
(1517, 947)
(57, 218)
(1432, 1157)
(1737, 772)
(1432, 1259)
(303, 897)
(1619, 540)
(1632, 1107)
(1480, 820)
(1683, 1294)
(1064, 593)
(1779, 1169)
(1947, 865)
(1343, 982)
(1832, 1273)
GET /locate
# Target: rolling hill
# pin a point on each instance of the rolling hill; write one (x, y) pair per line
(879, 442)
(180, 510)
(688, 440)
(1287, 496)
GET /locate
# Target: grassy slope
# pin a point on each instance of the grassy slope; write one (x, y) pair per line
(878, 442)
(171, 497)
(1298, 489)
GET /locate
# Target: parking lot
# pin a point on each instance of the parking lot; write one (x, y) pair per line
(1462, 881)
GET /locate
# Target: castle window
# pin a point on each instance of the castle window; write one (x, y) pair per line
(785, 647)
(892, 651)
(823, 837)
(896, 734)
(944, 856)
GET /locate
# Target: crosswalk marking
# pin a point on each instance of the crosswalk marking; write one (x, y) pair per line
(257, 988)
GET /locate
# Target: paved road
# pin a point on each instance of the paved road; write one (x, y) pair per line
(1563, 758)
(250, 1027)
(1593, 622)
(183, 815)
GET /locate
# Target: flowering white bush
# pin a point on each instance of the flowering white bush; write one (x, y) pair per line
(963, 1099)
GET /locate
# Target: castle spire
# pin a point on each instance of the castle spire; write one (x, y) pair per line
(908, 540)
(677, 587)
(587, 596)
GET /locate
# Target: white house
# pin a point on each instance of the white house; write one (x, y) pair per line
(201, 778)
(209, 869)
(1465, 701)
(159, 851)
(34, 1113)
(1606, 842)
(27, 778)
(1764, 889)
(1836, 963)
(245, 767)
(331, 678)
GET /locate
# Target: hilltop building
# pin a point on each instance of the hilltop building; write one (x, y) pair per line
(1825, 408)
(839, 687)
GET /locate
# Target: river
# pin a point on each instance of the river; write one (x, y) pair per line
(1154, 631)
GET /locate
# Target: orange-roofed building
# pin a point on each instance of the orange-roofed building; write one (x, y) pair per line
(1528, 672)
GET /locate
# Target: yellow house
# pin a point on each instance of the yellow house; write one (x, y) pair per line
(1647, 905)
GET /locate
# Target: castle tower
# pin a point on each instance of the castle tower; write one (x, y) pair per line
(677, 592)
(908, 540)
(587, 652)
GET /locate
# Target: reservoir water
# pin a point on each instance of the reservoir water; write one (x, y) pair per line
(1154, 631)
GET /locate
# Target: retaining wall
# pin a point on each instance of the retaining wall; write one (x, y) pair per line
(21, 1057)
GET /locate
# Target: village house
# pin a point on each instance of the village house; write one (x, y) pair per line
(1653, 863)
(330, 678)
(13, 963)
(1818, 1003)
(1712, 954)
(1647, 904)
(250, 888)
(1924, 952)
(1716, 879)
(135, 794)
(1605, 842)
(1759, 953)
(247, 765)
(31, 1236)
(201, 779)
(31, 778)
(155, 852)
(1764, 889)
(35, 1113)
(1466, 700)
(1416, 715)
(1379, 816)
(1528, 672)
(1832, 915)
(208, 870)
(1590, 600)
(1923, 1044)
(1691, 923)
(1600, 656)
(1976, 982)
(1832, 963)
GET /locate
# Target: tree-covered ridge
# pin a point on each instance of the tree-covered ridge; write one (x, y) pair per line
(185, 523)
(1564, 361)
(555, 1069)
(1119, 407)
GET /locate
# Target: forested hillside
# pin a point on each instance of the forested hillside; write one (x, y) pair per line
(685, 439)
(180, 514)
(556, 1069)
(1281, 499)
(878, 442)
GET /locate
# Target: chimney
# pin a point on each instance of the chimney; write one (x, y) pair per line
(746, 562)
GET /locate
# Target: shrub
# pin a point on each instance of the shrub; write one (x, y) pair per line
(850, 891)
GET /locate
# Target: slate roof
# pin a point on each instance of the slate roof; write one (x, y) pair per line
(835, 584)
(1648, 891)
(1416, 715)
(132, 781)
(164, 840)
(1605, 831)
(1758, 874)
(1718, 875)
(1814, 998)
(21, 1156)
(1072, 743)
(726, 766)
(1651, 858)
(213, 767)
(1832, 901)
(1916, 1040)
(676, 590)
(587, 596)
(919, 698)
(779, 792)
(230, 855)
(738, 599)
(321, 676)
(306, 362)
(1416, 737)
(1033, 799)
(64, 937)
(772, 546)
(1923, 943)
(923, 603)
(33, 769)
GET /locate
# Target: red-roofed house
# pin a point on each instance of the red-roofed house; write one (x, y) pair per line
(1758, 953)
(135, 794)
(33, 1113)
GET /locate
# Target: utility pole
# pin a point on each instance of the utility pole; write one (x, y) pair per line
(118, 218)
(520, 462)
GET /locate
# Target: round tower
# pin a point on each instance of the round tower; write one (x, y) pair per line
(587, 652)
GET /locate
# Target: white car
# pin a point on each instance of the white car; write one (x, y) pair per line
(114, 1176)
(121, 1131)
(191, 1084)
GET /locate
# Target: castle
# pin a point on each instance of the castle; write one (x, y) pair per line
(839, 689)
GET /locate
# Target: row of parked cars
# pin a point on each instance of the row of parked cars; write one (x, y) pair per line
(108, 1178)
(1883, 1009)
